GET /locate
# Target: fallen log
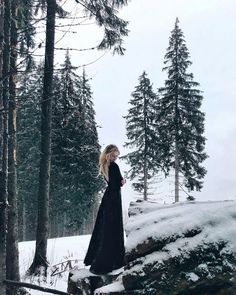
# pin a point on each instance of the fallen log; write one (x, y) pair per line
(32, 286)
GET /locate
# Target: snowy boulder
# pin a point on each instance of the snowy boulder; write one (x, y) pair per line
(83, 282)
(181, 248)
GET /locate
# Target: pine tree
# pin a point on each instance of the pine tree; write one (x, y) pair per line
(12, 260)
(180, 119)
(75, 149)
(40, 258)
(3, 196)
(28, 149)
(4, 102)
(90, 147)
(142, 134)
(115, 28)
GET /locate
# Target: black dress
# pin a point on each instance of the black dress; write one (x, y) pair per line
(106, 248)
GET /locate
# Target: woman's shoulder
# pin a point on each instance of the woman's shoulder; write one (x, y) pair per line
(113, 164)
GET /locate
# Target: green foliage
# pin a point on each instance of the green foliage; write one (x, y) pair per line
(180, 119)
(75, 150)
(105, 14)
(142, 133)
(28, 148)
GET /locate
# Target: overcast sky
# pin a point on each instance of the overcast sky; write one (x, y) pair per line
(209, 27)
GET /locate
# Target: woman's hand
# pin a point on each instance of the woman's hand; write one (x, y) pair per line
(123, 181)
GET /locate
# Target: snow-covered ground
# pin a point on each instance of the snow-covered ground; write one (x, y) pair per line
(59, 250)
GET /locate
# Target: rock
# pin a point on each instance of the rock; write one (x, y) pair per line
(150, 245)
(185, 248)
(83, 282)
(179, 249)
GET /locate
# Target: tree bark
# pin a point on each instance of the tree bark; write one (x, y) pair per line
(40, 258)
(12, 261)
(4, 156)
(177, 128)
(176, 172)
(1, 64)
(145, 150)
(23, 221)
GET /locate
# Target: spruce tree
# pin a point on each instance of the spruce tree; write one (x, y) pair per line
(142, 135)
(4, 103)
(28, 149)
(180, 118)
(75, 150)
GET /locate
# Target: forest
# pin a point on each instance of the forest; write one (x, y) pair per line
(49, 145)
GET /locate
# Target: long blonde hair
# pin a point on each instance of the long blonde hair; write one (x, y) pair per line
(104, 159)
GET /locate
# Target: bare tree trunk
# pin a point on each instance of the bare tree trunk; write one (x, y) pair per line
(145, 151)
(23, 221)
(176, 172)
(1, 64)
(5, 11)
(3, 217)
(145, 178)
(40, 258)
(12, 260)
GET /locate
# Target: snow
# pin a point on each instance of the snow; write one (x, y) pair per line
(215, 221)
(114, 287)
(59, 250)
(192, 276)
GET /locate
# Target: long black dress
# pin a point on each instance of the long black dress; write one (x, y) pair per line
(106, 248)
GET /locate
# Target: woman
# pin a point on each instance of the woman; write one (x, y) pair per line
(106, 248)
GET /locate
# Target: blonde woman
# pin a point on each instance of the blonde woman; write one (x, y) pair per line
(106, 248)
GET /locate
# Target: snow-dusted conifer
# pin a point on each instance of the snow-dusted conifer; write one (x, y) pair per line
(28, 149)
(180, 118)
(75, 148)
(142, 134)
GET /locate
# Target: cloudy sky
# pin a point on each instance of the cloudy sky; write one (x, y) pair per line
(209, 27)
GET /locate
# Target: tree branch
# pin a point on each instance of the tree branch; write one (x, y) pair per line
(36, 287)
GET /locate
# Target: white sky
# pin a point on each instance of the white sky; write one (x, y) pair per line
(209, 27)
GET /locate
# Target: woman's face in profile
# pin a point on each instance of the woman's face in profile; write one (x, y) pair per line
(114, 156)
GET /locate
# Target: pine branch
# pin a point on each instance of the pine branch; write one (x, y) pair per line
(75, 49)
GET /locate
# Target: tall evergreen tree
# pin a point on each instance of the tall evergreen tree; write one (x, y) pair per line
(8, 177)
(142, 134)
(115, 28)
(181, 121)
(28, 149)
(40, 257)
(4, 100)
(75, 149)
(3, 200)
(12, 223)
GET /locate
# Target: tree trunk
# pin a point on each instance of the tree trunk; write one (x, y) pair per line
(40, 258)
(23, 221)
(145, 151)
(2, 195)
(12, 260)
(176, 172)
(4, 132)
(1, 64)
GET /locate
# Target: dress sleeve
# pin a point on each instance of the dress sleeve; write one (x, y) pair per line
(115, 176)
